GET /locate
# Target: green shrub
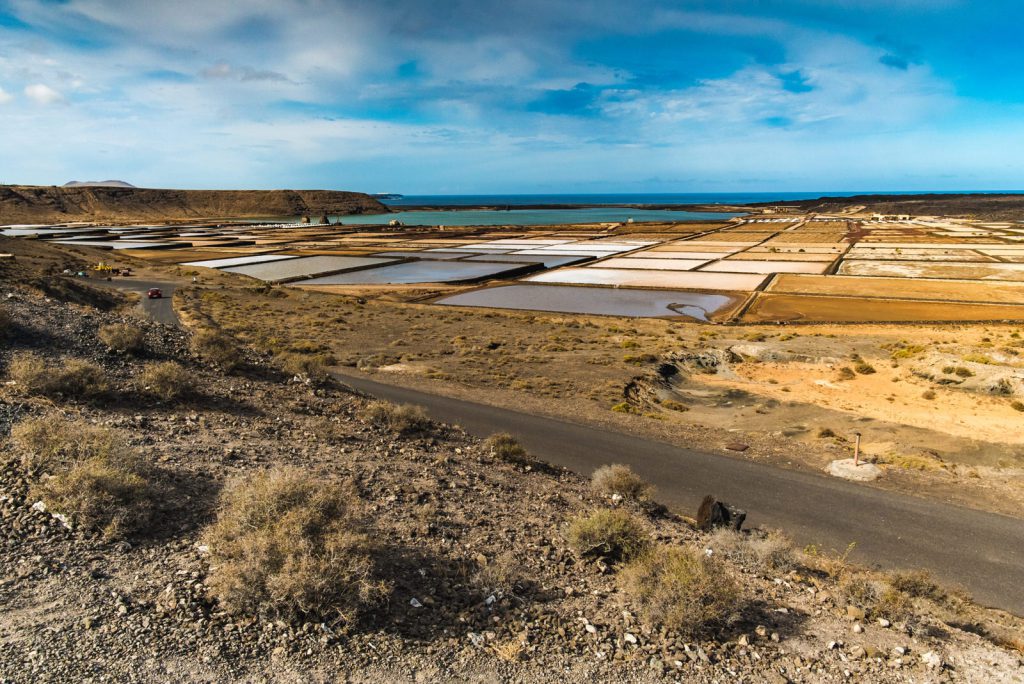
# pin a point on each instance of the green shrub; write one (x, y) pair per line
(122, 337)
(620, 479)
(505, 447)
(289, 545)
(74, 378)
(398, 418)
(613, 534)
(682, 589)
(51, 442)
(217, 348)
(167, 380)
(110, 494)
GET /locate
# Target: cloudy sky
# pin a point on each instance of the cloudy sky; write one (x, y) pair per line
(478, 96)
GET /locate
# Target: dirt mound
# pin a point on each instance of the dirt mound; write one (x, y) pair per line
(37, 204)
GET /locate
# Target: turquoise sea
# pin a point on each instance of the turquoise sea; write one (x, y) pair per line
(527, 217)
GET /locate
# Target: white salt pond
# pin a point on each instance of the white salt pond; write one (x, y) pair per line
(596, 300)
(421, 272)
(766, 267)
(654, 264)
(696, 280)
(548, 261)
(239, 261)
(304, 267)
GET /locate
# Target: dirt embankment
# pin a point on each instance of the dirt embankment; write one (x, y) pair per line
(984, 206)
(39, 204)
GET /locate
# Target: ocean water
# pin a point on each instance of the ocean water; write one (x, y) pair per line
(642, 198)
(527, 217)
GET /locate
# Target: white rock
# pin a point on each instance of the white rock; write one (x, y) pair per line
(415, 604)
(629, 638)
(882, 622)
(864, 472)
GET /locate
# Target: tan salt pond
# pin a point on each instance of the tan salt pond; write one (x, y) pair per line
(933, 269)
(979, 291)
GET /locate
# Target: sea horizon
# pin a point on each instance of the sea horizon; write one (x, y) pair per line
(725, 198)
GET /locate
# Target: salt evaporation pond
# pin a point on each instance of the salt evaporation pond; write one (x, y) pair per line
(739, 266)
(696, 280)
(595, 300)
(420, 272)
(239, 261)
(548, 261)
(653, 264)
(529, 217)
(305, 267)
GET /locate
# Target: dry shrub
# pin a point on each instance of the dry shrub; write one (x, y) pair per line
(289, 545)
(682, 589)
(167, 380)
(50, 442)
(499, 575)
(122, 337)
(878, 597)
(398, 418)
(109, 493)
(505, 447)
(620, 479)
(614, 534)
(917, 583)
(763, 554)
(311, 366)
(834, 564)
(217, 348)
(74, 378)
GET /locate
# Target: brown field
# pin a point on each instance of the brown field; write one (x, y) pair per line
(902, 288)
(771, 308)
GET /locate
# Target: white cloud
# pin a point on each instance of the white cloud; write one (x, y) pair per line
(43, 94)
(5, 97)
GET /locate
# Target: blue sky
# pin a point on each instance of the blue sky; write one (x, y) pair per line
(488, 96)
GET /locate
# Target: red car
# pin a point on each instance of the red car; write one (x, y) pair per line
(154, 293)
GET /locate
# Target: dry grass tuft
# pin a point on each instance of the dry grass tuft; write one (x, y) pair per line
(398, 418)
(168, 381)
(309, 366)
(608, 533)
(682, 589)
(74, 378)
(618, 479)
(505, 447)
(110, 494)
(217, 348)
(122, 337)
(289, 545)
(51, 442)
(763, 554)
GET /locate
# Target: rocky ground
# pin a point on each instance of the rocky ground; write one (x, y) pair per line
(483, 587)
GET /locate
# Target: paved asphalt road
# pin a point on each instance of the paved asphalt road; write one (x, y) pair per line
(160, 310)
(983, 552)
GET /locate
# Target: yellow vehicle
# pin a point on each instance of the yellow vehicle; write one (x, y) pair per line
(103, 268)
